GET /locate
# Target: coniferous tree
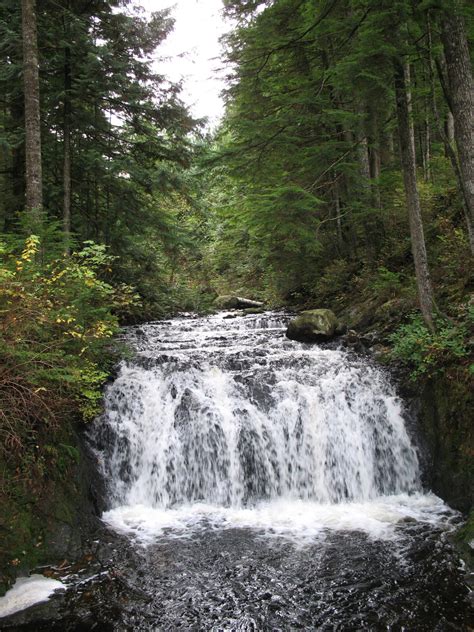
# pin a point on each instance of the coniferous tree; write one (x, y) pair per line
(461, 97)
(33, 170)
(67, 122)
(408, 159)
(312, 104)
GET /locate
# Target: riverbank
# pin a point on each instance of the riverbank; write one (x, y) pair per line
(441, 397)
(48, 520)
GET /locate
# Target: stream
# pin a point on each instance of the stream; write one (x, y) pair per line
(256, 483)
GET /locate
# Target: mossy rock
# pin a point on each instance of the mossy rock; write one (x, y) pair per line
(49, 518)
(314, 325)
(445, 404)
(361, 316)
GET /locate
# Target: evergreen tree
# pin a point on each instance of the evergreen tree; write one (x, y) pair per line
(34, 181)
(312, 107)
(408, 158)
(461, 96)
(116, 138)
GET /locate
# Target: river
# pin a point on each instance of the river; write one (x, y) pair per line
(256, 483)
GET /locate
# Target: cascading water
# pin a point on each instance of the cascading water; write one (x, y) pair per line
(224, 420)
(259, 484)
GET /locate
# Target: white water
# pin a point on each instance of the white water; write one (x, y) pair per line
(304, 520)
(26, 592)
(222, 423)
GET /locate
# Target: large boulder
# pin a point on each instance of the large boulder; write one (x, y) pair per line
(314, 325)
(229, 301)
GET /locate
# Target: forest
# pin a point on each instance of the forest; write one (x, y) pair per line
(341, 176)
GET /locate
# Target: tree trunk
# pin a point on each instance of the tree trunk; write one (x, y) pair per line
(365, 190)
(67, 187)
(427, 150)
(375, 160)
(461, 98)
(449, 127)
(4, 168)
(446, 131)
(363, 152)
(67, 144)
(451, 154)
(337, 215)
(386, 147)
(408, 160)
(34, 185)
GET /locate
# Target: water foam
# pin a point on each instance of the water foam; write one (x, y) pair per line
(294, 519)
(26, 592)
(223, 423)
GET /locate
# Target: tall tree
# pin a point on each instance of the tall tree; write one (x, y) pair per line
(67, 116)
(445, 128)
(461, 97)
(34, 180)
(408, 159)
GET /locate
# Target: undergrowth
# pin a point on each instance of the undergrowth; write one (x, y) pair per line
(57, 318)
(428, 353)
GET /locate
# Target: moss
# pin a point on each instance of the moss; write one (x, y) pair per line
(464, 540)
(446, 402)
(22, 533)
(313, 325)
(227, 301)
(42, 515)
(466, 533)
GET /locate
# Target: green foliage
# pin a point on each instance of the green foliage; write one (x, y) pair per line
(387, 283)
(56, 325)
(298, 198)
(57, 321)
(311, 119)
(131, 141)
(464, 538)
(428, 352)
(335, 281)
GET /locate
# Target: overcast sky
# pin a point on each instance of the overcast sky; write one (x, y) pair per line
(194, 50)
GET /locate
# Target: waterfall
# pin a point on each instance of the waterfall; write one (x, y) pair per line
(222, 416)
(259, 484)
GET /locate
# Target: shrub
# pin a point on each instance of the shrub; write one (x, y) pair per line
(387, 284)
(427, 352)
(57, 319)
(336, 279)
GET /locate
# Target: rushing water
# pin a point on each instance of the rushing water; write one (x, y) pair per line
(227, 422)
(257, 483)
(225, 442)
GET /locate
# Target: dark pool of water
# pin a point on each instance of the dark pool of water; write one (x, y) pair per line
(238, 579)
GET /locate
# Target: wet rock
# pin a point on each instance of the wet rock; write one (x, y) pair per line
(314, 325)
(35, 617)
(380, 352)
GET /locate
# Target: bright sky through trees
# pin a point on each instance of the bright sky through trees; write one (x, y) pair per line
(193, 50)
